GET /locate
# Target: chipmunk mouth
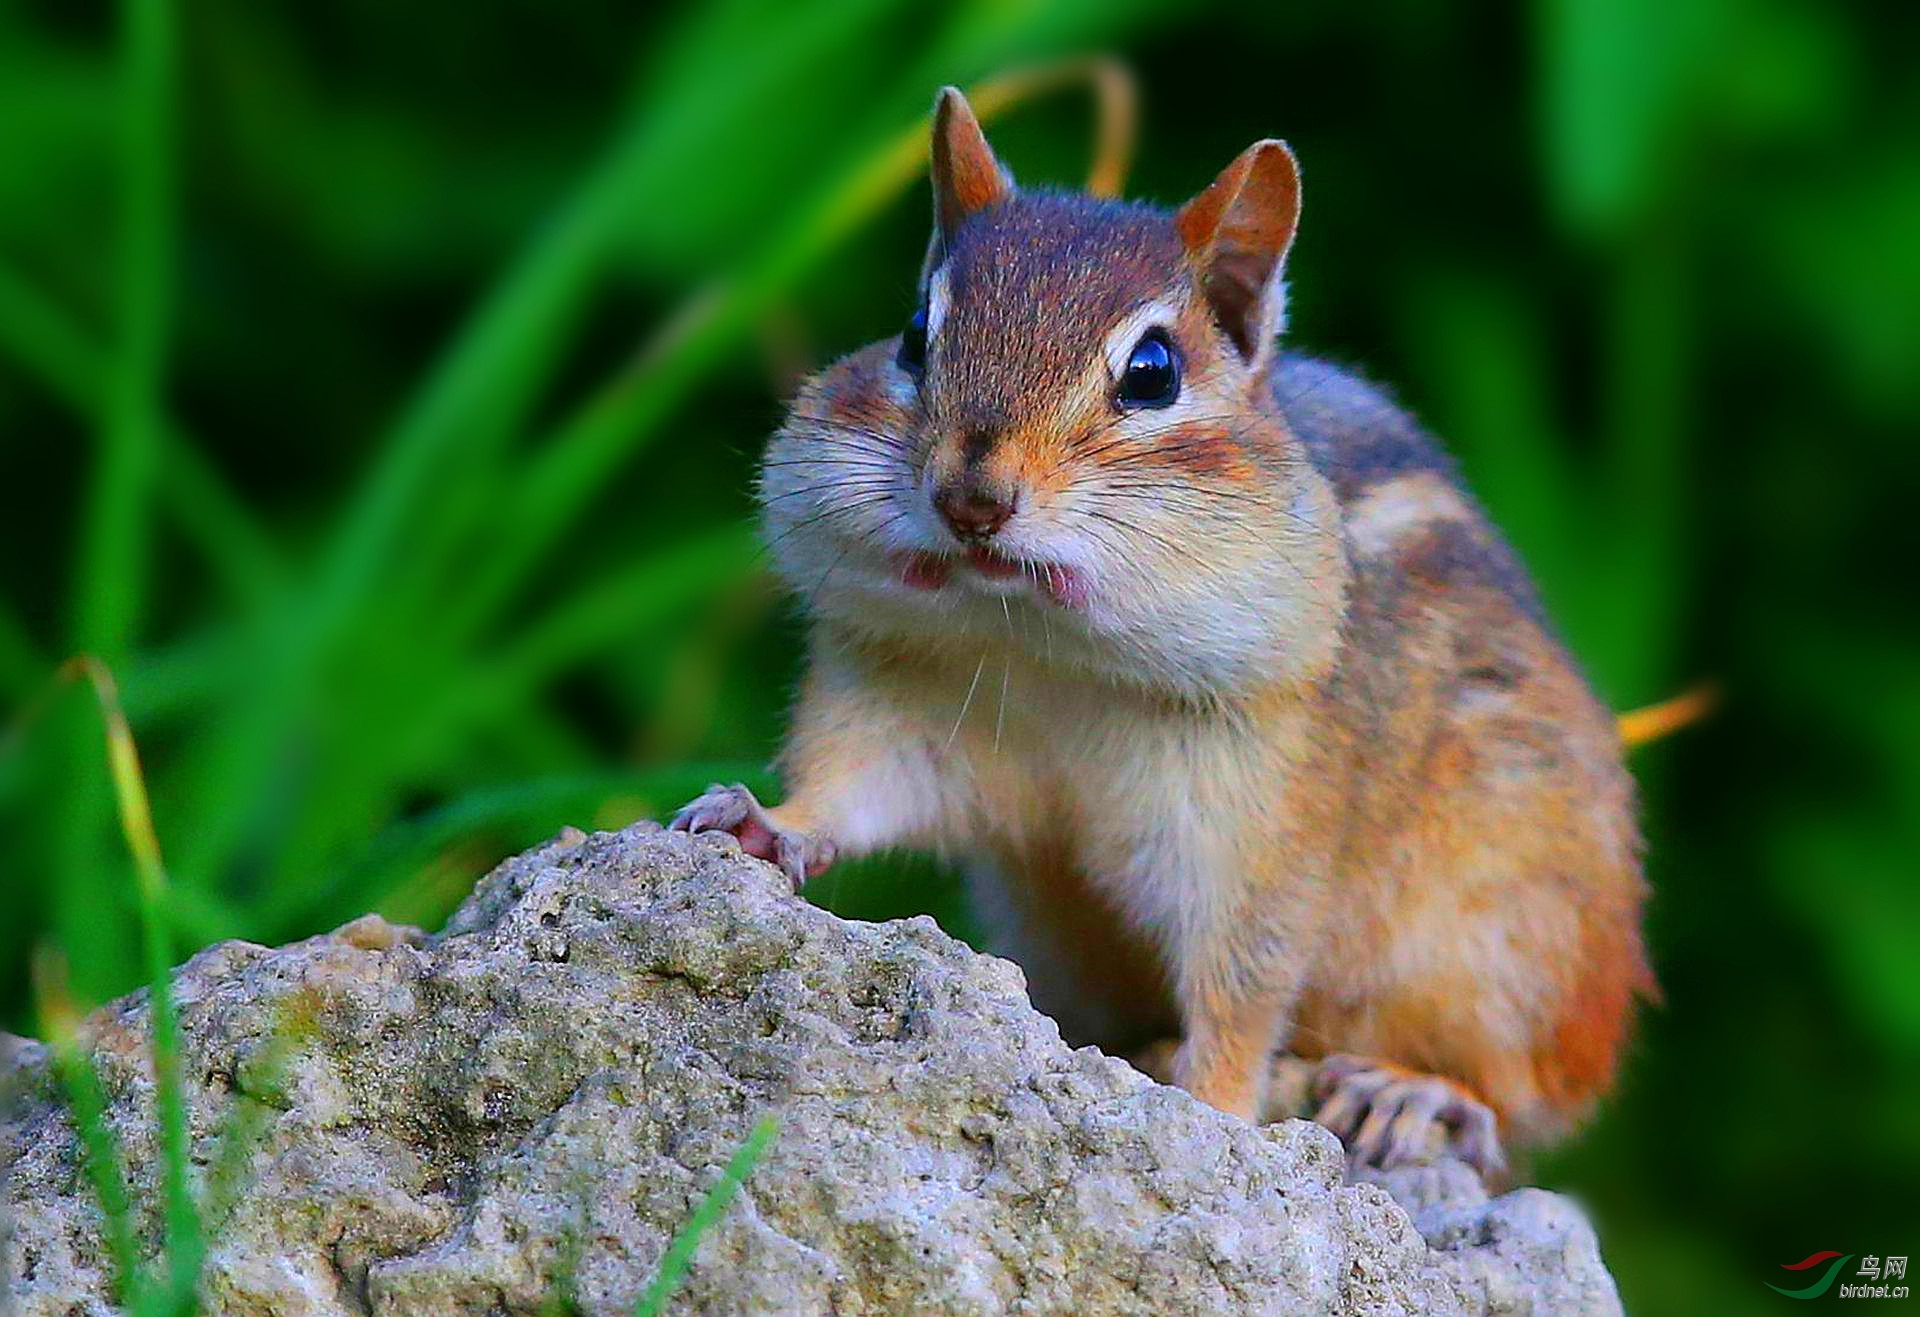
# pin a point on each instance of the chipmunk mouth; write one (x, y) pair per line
(1054, 582)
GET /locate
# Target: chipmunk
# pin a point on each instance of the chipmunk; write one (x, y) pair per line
(1243, 721)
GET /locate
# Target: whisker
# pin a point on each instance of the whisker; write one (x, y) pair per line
(813, 595)
(853, 486)
(821, 428)
(872, 463)
(967, 703)
(1006, 679)
(838, 509)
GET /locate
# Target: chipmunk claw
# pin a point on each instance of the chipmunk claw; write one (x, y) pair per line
(735, 810)
(1390, 1116)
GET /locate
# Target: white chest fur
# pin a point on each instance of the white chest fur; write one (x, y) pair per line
(1146, 797)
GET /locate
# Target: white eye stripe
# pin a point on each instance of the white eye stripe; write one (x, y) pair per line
(1125, 336)
(937, 294)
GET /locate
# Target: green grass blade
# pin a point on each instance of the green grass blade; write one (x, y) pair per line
(432, 738)
(1646, 452)
(1616, 77)
(115, 523)
(613, 424)
(196, 496)
(100, 1151)
(113, 550)
(174, 679)
(680, 1252)
(258, 1091)
(21, 667)
(213, 518)
(643, 593)
(40, 338)
(482, 384)
(563, 1296)
(184, 1240)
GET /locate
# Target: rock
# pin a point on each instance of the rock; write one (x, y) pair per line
(449, 1124)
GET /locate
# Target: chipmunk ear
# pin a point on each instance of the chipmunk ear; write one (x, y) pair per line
(1236, 233)
(967, 176)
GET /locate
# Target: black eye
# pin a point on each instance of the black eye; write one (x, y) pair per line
(913, 343)
(1152, 376)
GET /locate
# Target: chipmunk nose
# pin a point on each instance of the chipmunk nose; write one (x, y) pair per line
(973, 510)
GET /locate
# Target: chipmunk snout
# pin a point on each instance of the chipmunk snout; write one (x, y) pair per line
(973, 509)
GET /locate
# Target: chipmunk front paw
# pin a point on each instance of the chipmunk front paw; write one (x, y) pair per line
(1390, 1116)
(734, 809)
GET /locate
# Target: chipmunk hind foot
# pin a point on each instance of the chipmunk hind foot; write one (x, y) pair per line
(1388, 1115)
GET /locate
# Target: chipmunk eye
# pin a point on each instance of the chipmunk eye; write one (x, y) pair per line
(1152, 376)
(912, 357)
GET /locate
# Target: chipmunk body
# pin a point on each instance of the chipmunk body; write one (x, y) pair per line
(1241, 716)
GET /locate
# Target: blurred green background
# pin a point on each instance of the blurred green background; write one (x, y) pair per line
(380, 389)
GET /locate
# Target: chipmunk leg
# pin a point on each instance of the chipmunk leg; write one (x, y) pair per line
(1238, 969)
(1389, 1116)
(1235, 1008)
(1223, 1060)
(859, 777)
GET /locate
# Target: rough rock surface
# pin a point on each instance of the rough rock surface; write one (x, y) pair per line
(448, 1123)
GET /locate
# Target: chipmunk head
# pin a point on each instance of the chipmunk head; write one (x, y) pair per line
(1074, 430)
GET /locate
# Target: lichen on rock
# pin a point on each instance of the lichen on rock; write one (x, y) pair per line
(550, 1084)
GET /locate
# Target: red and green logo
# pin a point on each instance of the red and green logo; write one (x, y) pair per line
(1812, 1260)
